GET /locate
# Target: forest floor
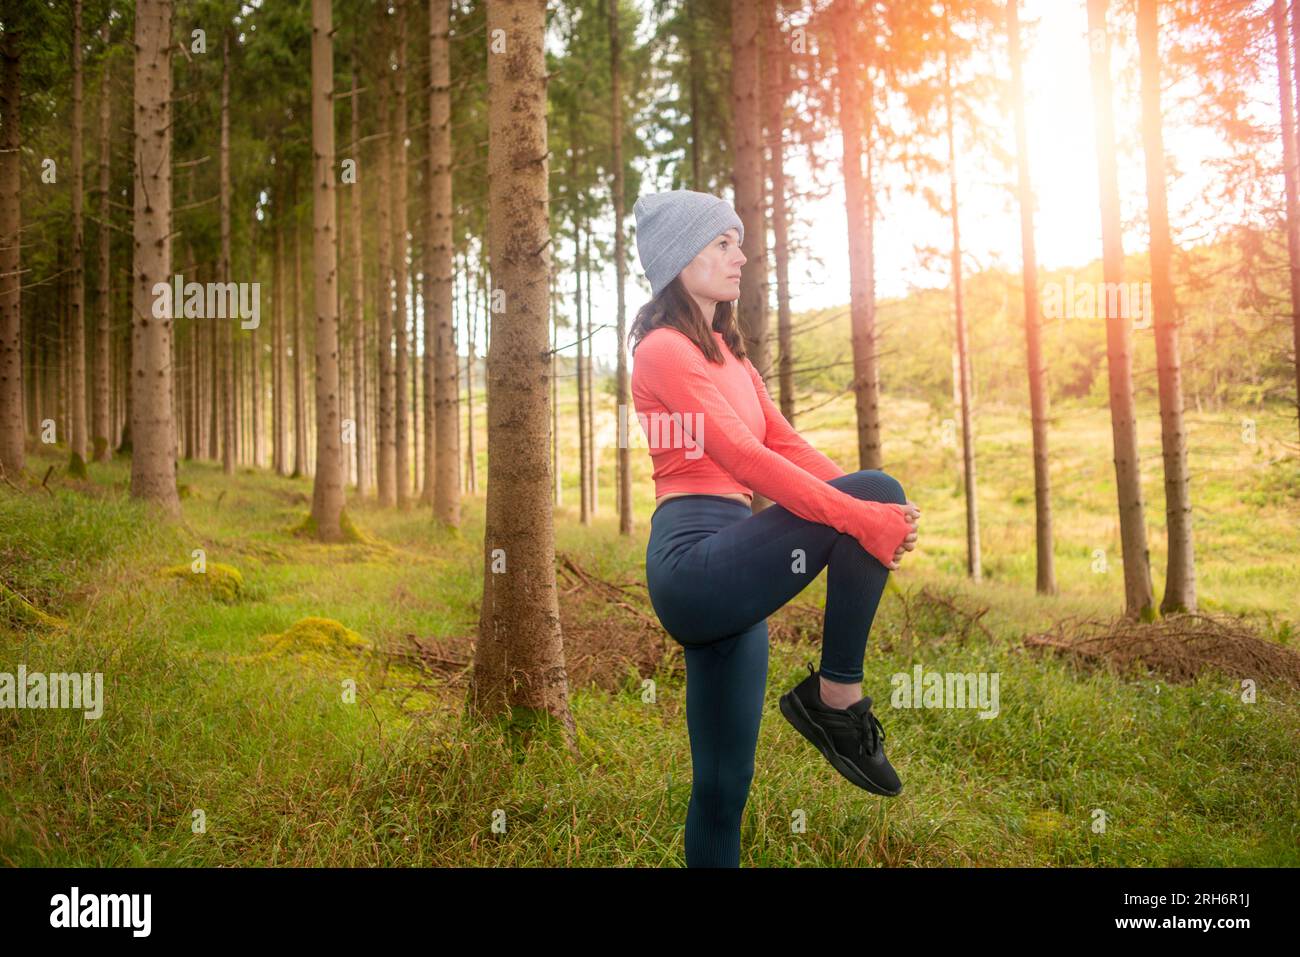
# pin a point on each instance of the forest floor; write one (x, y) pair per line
(228, 737)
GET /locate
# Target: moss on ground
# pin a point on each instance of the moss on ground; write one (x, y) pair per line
(17, 611)
(224, 582)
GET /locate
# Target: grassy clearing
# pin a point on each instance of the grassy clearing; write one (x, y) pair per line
(203, 713)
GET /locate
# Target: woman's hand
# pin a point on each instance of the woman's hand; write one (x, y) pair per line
(913, 516)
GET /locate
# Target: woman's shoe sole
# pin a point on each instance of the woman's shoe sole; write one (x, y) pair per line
(797, 715)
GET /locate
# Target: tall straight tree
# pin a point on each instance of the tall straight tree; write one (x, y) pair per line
(386, 456)
(747, 141)
(12, 452)
(973, 564)
(1139, 602)
(327, 489)
(101, 445)
(79, 449)
(153, 436)
(402, 420)
(300, 466)
(519, 656)
(362, 443)
(226, 357)
(776, 72)
(1038, 398)
(1291, 168)
(862, 297)
(1180, 572)
(445, 458)
(624, 400)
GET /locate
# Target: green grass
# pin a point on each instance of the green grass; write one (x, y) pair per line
(203, 715)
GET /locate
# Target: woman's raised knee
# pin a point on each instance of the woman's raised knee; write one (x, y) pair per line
(876, 486)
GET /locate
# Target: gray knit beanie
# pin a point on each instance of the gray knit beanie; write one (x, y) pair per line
(672, 228)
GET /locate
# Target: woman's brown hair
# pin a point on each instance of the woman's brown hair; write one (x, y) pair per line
(676, 308)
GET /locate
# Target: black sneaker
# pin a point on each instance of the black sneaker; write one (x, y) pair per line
(851, 739)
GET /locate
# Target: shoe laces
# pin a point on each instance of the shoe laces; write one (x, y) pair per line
(870, 733)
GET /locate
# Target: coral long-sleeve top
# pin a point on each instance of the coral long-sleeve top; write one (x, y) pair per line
(713, 429)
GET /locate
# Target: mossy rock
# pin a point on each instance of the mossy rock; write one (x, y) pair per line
(223, 581)
(17, 611)
(311, 640)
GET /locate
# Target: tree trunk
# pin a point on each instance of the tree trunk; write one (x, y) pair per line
(255, 363)
(100, 427)
(80, 446)
(362, 424)
(1119, 359)
(402, 461)
(1180, 572)
(470, 362)
(327, 488)
(747, 139)
(153, 458)
(300, 464)
(588, 377)
(584, 488)
(624, 400)
(226, 358)
(1038, 398)
(13, 454)
(973, 564)
(776, 71)
(387, 457)
(443, 460)
(862, 281)
(279, 414)
(1291, 163)
(519, 656)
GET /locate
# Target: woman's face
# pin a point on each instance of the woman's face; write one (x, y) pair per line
(714, 274)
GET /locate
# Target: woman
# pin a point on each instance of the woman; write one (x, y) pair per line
(715, 570)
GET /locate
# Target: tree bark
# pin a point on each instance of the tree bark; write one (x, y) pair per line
(862, 280)
(622, 384)
(100, 427)
(776, 72)
(153, 458)
(402, 460)
(226, 357)
(1119, 358)
(973, 565)
(387, 457)
(747, 141)
(1291, 164)
(442, 468)
(1038, 397)
(13, 453)
(519, 656)
(300, 464)
(79, 448)
(327, 488)
(1180, 570)
(358, 304)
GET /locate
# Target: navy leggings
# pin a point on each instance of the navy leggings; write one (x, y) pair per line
(715, 571)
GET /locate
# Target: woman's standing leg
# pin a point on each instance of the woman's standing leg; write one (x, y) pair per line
(725, 682)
